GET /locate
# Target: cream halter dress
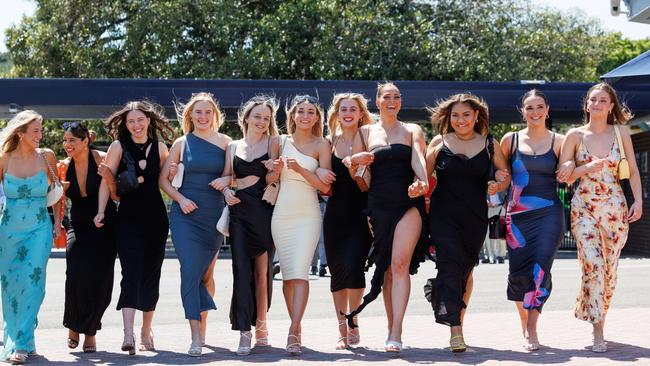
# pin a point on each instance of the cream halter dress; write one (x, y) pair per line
(296, 222)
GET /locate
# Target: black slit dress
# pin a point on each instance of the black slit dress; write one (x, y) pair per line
(388, 201)
(90, 260)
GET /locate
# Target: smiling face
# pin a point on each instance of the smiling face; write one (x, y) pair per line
(259, 119)
(33, 134)
(349, 113)
(138, 124)
(463, 118)
(202, 115)
(599, 103)
(74, 145)
(389, 101)
(535, 110)
(305, 116)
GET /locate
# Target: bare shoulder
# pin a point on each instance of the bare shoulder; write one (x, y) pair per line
(507, 137)
(559, 138)
(574, 134)
(162, 146)
(625, 132)
(435, 141)
(48, 153)
(413, 127)
(115, 146)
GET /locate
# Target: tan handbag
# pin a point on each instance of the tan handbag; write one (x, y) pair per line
(623, 165)
(362, 176)
(272, 189)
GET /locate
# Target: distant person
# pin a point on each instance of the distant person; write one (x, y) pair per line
(494, 250)
(535, 220)
(319, 253)
(26, 231)
(142, 224)
(600, 216)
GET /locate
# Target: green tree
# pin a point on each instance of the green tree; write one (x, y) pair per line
(620, 51)
(306, 39)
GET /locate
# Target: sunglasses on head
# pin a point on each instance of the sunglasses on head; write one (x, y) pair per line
(305, 98)
(71, 125)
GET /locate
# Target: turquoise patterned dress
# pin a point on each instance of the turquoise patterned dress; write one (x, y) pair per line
(25, 244)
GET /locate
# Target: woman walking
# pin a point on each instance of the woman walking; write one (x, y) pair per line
(394, 152)
(90, 259)
(535, 216)
(599, 213)
(461, 157)
(197, 207)
(26, 231)
(346, 232)
(296, 221)
(250, 222)
(141, 224)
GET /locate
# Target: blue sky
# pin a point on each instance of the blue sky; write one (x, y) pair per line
(13, 10)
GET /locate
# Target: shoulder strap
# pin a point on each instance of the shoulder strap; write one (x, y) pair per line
(336, 139)
(363, 141)
(55, 178)
(621, 149)
(489, 141)
(182, 148)
(512, 146)
(283, 140)
(231, 157)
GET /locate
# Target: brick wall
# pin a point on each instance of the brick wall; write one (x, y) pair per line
(638, 241)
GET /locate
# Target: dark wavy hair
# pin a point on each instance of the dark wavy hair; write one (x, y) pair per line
(441, 114)
(539, 94)
(159, 125)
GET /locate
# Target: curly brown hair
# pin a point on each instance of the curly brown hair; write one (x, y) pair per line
(620, 113)
(441, 114)
(159, 125)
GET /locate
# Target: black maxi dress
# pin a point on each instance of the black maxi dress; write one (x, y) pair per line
(250, 237)
(346, 232)
(388, 201)
(458, 224)
(142, 229)
(90, 260)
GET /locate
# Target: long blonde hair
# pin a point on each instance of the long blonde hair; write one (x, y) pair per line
(9, 138)
(317, 129)
(333, 112)
(245, 111)
(184, 111)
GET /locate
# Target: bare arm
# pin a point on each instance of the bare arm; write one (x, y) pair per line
(324, 161)
(112, 161)
(56, 208)
(500, 163)
(360, 156)
(418, 163)
(273, 174)
(163, 179)
(432, 154)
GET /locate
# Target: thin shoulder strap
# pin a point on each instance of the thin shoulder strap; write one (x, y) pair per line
(182, 147)
(336, 139)
(53, 175)
(621, 149)
(231, 157)
(363, 141)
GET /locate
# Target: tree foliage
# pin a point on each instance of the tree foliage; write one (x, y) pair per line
(621, 50)
(306, 39)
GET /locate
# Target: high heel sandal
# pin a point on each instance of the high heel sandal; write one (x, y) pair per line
(354, 339)
(73, 343)
(128, 344)
(246, 337)
(195, 350)
(294, 349)
(393, 346)
(261, 341)
(342, 343)
(147, 344)
(459, 345)
(18, 357)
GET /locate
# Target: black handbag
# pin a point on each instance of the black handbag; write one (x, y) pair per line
(497, 225)
(127, 180)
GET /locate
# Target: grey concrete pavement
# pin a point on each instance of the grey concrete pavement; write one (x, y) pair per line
(491, 326)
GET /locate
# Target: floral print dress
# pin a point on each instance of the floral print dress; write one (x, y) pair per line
(600, 227)
(25, 244)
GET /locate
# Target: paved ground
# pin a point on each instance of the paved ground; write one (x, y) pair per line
(491, 327)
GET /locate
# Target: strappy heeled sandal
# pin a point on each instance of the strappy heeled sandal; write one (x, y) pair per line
(393, 346)
(18, 357)
(128, 344)
(342, 342)
(195, 350)
(261, 341)
(73, 343)
(246, 337)
(354, 339)
(147, 344)
(294, 349)
(459, 345)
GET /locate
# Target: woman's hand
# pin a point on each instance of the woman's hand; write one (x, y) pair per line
(501, 175)
(596, 165)
(173, 169)
(65, 184)
(635, 212)
(278, 165)
(362, 158)
(325, 175)
(220, 183)
(230, 197)
(493, 187)
(347, 162)
(56, 230)
(563, 173)
(268, 164)
(105, 172)
(417, 189)
(294, 165)
(187, 205)
(99, 219)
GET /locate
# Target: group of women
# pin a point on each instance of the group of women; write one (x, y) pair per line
(270, 182)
